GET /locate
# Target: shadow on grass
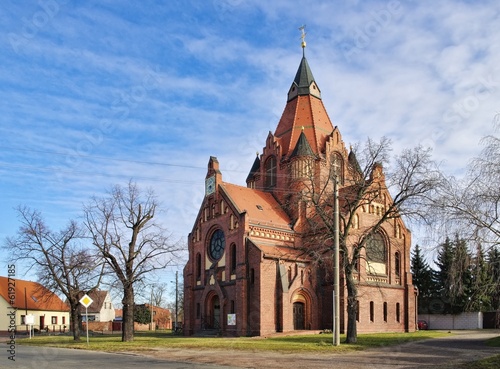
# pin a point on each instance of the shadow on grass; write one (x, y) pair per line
(147, 341)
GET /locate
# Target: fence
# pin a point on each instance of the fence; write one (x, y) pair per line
(450, 321)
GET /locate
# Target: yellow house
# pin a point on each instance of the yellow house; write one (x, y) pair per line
(19, 299)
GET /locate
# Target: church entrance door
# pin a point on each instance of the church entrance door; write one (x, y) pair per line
(216, 312)
(298, 316)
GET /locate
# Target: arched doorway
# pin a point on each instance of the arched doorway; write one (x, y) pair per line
(301, 309)
(216, 312)
(298, 315)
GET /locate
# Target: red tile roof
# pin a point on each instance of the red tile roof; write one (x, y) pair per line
(261, 207)
(308, 113)
(37, 297)
(277, 250)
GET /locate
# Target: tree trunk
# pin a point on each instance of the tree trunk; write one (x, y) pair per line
(128, 314)
(352, 307)
(74, 321)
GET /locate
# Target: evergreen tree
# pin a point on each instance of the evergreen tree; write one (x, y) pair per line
(494, 277)
(422, 279)
(453, 277)
(481, 288)
(442, 277)
(461, 277)
(142, 314)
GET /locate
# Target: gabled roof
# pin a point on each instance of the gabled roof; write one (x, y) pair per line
(261, 207)
(31, 296)
(279, 251)
(98, 298)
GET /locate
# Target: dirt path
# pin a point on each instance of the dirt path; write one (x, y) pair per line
(450, 351)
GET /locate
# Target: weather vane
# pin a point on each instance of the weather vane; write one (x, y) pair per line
(303, 36)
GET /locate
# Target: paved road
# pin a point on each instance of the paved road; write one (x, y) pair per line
(446, 352)
(54, 358)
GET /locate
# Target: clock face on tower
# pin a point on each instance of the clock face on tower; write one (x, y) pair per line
(209, 185)
(217, 245)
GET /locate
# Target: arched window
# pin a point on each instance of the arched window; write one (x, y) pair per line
(198, 266)
(376, 254)
(355, 221)
(397, 264)
(233, 258)
(270, 172)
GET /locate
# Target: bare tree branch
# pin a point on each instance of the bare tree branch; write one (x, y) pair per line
(124, 233)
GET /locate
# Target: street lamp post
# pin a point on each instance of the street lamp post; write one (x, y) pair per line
(336, 274)
(176, 297)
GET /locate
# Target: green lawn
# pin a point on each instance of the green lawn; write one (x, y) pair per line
(145, 341)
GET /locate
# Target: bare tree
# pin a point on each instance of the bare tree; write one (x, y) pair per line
(61, 260)
(158, 295)
(471, 206)
(405, 191)
(132, 244)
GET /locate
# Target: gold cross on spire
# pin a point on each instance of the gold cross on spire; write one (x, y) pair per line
(303, 35)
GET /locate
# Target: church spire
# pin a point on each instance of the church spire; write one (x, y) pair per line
(304, 113)
(303, 83)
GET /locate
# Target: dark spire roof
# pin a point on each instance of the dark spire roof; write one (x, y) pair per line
(255, 168)
(304, 77)
(353, 163)
(304, 83)
(303, 148)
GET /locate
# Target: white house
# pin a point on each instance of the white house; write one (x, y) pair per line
(101, 309)
(19, 298)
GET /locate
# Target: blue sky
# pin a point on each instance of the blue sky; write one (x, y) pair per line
(96, 93)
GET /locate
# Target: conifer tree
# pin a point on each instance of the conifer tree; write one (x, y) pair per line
(493, 261)
(422, 278)
(482, 283)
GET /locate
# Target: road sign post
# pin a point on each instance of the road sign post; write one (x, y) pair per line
(86, 301)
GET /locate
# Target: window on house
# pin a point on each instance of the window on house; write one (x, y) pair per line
(357, 310)
(63, 320)
(232, 307)
(372, 311)
(398, 312)
(54, 320)
(376, 254)
(23, 319)
(270, 170)
(385, 311)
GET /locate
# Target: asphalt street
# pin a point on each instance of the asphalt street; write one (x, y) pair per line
(54, 358)
(447, 352)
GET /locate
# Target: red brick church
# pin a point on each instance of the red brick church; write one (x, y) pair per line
(247, 274)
